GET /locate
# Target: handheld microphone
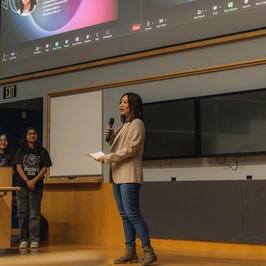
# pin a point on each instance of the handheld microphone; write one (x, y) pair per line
(111, 122)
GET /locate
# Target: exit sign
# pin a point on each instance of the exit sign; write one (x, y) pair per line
(10, 92)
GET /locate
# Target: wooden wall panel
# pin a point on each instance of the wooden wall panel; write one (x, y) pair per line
(5, 208)
(82, 214)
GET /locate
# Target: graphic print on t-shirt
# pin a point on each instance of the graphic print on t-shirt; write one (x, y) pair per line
(31, 164)
(3, 162)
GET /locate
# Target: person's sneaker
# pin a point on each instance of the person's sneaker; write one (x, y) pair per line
(34, 244)
(23, 244)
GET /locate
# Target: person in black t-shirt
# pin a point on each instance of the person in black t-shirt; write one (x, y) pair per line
(5, 155)
(32, 161)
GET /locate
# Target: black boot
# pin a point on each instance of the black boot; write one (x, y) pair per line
(149, 256)
(130, 255)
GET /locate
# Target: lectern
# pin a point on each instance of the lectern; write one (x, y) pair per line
(6, 206)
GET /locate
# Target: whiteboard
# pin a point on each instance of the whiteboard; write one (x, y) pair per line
(75, 129)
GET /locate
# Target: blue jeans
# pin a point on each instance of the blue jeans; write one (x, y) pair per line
(127, 200)
(29, 214)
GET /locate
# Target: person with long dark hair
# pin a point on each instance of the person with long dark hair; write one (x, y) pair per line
(32, 161)
(5, 155)
(126, 173)
(25, 7)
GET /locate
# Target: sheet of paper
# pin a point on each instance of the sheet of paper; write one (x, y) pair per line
(95, 155)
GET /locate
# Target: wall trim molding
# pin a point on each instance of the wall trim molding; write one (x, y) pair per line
(179, 74)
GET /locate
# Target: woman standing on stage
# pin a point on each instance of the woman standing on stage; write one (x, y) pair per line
(32, 161)
(125, 160)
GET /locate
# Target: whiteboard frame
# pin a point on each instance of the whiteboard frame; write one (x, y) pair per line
(74, 128)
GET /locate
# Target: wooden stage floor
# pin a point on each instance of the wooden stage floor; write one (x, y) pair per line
(208, 254)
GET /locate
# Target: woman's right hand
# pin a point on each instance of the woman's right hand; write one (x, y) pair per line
(109, 133)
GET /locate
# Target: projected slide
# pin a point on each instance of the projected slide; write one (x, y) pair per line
(51, 17)
(80, 31)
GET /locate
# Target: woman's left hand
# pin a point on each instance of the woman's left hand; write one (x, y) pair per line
(100, 159)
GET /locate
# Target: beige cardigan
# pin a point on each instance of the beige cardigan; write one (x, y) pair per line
(126, 151)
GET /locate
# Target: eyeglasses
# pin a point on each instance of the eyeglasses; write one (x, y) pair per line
(3, 140)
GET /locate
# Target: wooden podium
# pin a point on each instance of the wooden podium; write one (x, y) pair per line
(6, 206)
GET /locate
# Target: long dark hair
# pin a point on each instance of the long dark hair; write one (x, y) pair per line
(135, 106)
(33, 3)
(24, 143)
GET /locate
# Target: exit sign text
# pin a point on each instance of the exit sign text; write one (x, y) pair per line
(10, 92)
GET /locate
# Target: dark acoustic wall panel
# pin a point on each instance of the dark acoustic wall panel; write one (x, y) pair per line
(193, 210)
(222, 211)
(254, 206)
